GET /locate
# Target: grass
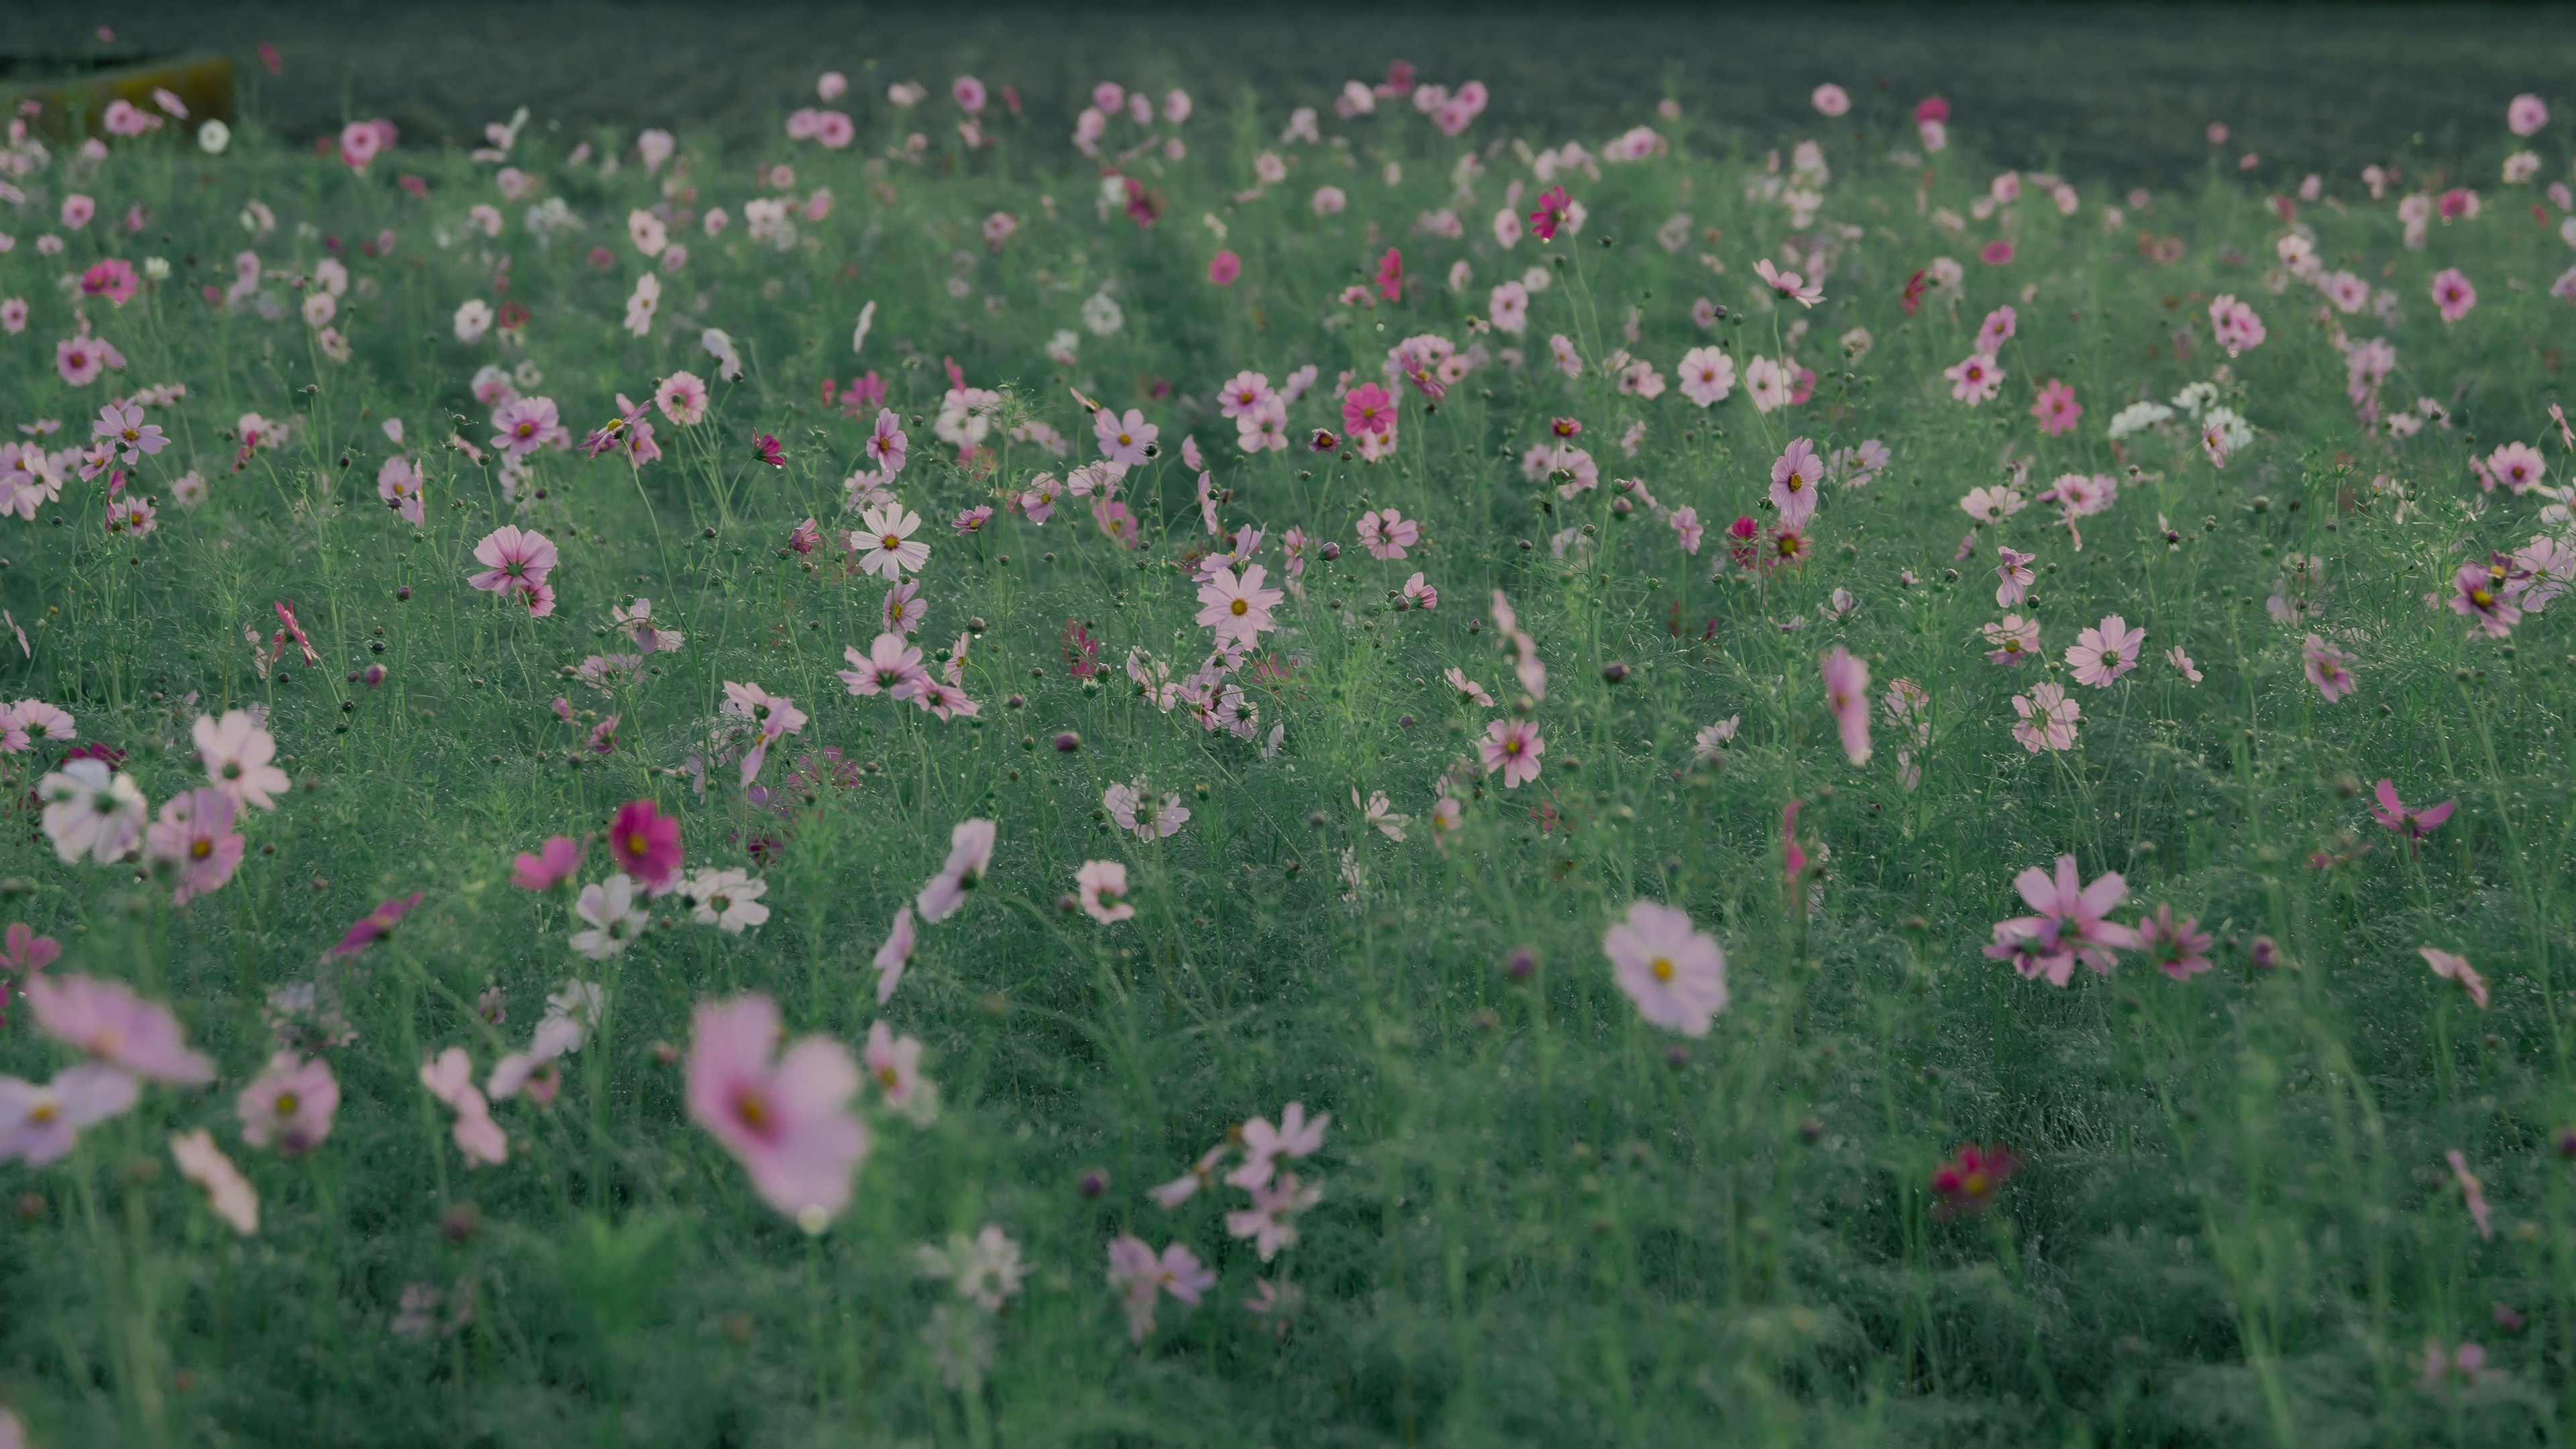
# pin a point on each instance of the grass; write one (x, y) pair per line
(1543, 1219)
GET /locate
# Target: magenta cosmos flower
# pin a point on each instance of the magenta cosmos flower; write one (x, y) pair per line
(512, 558)
(117, 1027)
(1847, 694)
(551, 864)
(372, 927)
(645, 843)
(1224, 268)
(2325, 669)
(1513, 747)
(2413, 824)
(1555, 208)
(1676, 974)
(2485, 592)
(289, 1105)
(2180, 949)
(786, 1119)
(970, 854)
(1967, 1182)
(2057, 408)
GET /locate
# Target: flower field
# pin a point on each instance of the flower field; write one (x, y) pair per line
(1327, 777)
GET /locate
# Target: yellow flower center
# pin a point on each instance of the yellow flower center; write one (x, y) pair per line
(636, 844)
(201, 847)
(286, 1104)
(1240, 608)
(1662, 967)
(890, 543)
(44, 1112)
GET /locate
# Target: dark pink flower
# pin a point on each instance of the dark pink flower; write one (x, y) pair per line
(374, 926)
(645, 843)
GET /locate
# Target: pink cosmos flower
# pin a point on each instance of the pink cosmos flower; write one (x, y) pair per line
(449, 1077)
(1974, 380)
(2324, 664)
(398, 484)
(1995, 331)
(1419, 594)
(970, 854)
(2013, 640)
(2486, 593)
(1675, 973)
(644, 843)
(1794, 476)
(2070, 925)
(1469, 691)
(682, 397)
(1101, 888)
(1247, 394)
(289, 1105)
(2456, 968)
(122, 426)
(1140, 1277)
(195, 836)
(1707, 375)
(1386, 535)
(2473, 1194)
(1847, 695)
(1367, 409)
(229, 1195)
(79, 360)
(1140, 809)
(2526, 115)
(1224, 268)
(513, 559)
(2413, 824)
(2056, 409)
(236, 751)
(372, 927)
(1126, 441)
(1830, 99)
(23, 953)
(2179, 660)
(2234, 326)
(894, 1064)
(894, 955)
(2180, 949)
(1238, 609)
(772, 716)
(117, 1027)
(1264, 1145)
(786, 1119)
(2048, 718)
(553, 863)
(2517, 466)
(1790, 284)
(1512, 746)
(40, 1124)
(2453, 294)
(1271, 1221)
(522, 424)
(892, 666)
(1996, 253)
(886, 545)
(2101, 655)
(887, 443)
(2016, 575)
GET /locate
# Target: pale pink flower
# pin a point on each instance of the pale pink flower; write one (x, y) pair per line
(513, 559)
(1101, 887)
(2016, 575)
(2473, 1194)
(523, 424)
(2101, 655)
(1238, 609)
(891, 666)
(1386, 535)
(2012, 641)
(2048, 718)
(2453, 294)
(2070, 927)
(115, 1026)
(887, 444)
(1794, 476)
(787, 1118)
(682, 397)
(2456, 968)
(236, 751)
(1469, 691)
(970, 854)
(40, 1123)
(449, 1076)
(1674, 972)
(1140, 809)
(1974, 380)
(1512, 746)
(894, 1064)
(1125, 441)
(2234, 326)
(1847, 695)
(886, 545)
(2176, 657)
(1686, 529)
(1271, 1221)
(229, 1195)
(289, 1105)
(1140, 1277)
(195, 837)
(894, 955)
(2324, 664)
